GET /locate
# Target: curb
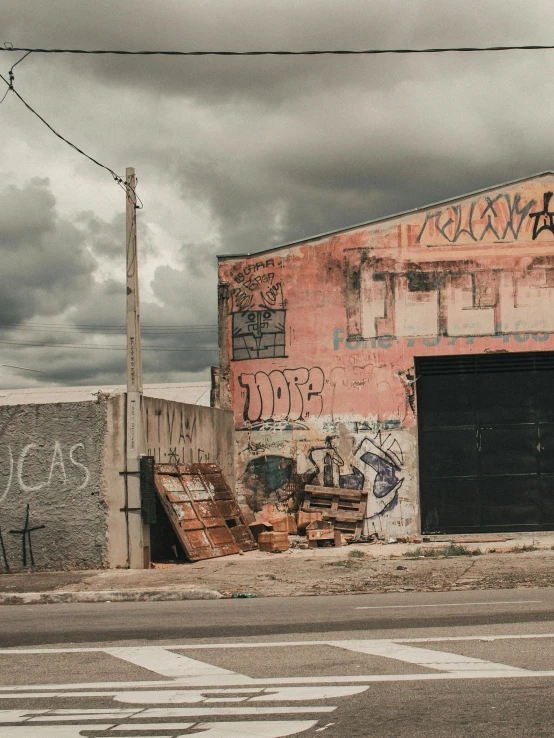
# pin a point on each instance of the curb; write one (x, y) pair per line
(121, 595)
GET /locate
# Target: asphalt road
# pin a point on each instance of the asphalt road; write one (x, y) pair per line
(422, 665)
(208, 620)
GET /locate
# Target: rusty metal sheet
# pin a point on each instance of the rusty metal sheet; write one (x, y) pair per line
(228, 505)
(193, 512)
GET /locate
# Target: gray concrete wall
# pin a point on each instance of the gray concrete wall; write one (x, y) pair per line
(51, 458)
(114, 484)
(65, 461)
(176, 432)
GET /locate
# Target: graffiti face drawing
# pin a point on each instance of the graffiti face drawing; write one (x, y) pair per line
(259, 334)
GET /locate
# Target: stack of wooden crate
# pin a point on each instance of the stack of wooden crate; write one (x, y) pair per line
(344, 508)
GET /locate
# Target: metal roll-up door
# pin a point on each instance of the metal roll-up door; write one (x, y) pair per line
(486, 442)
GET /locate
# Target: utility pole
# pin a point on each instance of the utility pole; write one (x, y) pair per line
(138, 543)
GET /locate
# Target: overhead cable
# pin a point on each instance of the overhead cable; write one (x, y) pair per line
(106, 348)
(308, 52)
(118, 179)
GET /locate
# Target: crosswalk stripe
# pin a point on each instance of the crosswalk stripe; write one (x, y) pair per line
(168, 664)
(441, 660)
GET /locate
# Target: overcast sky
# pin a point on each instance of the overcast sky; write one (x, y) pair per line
(234, 154)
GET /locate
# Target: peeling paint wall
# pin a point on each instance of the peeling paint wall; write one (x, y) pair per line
(318, 339)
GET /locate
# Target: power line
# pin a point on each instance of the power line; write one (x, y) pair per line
(89, 347)
(114, 329)
(116, 177)
(310, 52)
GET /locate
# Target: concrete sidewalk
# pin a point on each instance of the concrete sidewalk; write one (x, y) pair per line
(519, 560)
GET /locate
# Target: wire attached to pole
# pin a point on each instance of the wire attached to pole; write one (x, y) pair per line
(117, 178)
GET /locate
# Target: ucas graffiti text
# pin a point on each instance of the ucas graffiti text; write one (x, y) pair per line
(55, 462)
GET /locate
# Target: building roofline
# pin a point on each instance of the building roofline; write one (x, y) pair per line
(222, 257)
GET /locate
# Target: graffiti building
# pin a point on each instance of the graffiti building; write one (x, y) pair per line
(412, 357)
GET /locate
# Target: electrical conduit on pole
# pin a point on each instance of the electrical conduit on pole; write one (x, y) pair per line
(137, 533)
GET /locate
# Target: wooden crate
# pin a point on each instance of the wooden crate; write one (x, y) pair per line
(345, 508)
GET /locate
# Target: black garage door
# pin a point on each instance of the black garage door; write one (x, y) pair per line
(486, 442)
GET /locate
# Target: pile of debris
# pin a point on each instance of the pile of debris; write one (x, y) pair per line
(208, 521)
(329, 516)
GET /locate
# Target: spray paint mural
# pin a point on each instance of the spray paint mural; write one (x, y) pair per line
(324, 389)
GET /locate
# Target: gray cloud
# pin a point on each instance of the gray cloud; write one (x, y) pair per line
(237, 155)
(45, 266)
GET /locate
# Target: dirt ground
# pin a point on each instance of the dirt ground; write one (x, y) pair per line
(298, 572)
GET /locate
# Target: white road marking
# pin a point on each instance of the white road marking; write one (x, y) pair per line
(166, 663)
(269, 644)
(54, 731)
(171, 712)
(266, 729)
(442, 660)
(457, 667)
(255, 730)
(272, 694)
(449, 604)
(353, 679)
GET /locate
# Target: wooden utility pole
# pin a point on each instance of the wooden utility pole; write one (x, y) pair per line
(137, 533)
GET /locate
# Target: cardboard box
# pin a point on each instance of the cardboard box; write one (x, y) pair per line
(303, 519)
(284, 524)
(273, 541)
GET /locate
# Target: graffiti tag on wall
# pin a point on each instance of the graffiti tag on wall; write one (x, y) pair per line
(374, 465)
(291, 394)
(499, 217)
(258, 313)
(57, 469)
(387, 342)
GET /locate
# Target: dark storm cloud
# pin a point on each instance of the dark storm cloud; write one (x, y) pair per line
(269, 150)
(45, 266)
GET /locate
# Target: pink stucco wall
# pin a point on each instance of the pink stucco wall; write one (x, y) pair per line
(320, 337)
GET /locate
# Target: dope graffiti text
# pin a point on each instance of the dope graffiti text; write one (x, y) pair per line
(292, 394)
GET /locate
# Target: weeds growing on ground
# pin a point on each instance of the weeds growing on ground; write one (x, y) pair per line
(346, 563)
(525, 547)
(355, 554)
(435, 553)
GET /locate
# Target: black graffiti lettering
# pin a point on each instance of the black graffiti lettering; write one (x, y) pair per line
(25, 534)
(4, 555)
(375, 466)
(241, 300)
(291, 394)
(500, 216)
(546, 215)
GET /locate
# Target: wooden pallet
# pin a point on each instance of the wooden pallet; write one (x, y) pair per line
(345, 508)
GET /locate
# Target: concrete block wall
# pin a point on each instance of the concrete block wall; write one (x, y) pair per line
(51, 463)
